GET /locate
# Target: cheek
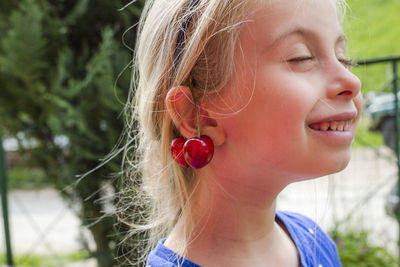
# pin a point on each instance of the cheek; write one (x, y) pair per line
(273, 125)
(358, 101)
(286, 108)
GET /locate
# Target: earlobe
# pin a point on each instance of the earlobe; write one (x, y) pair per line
(213, 128)
(217, 134)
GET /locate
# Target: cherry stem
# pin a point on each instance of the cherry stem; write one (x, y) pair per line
(195, 106)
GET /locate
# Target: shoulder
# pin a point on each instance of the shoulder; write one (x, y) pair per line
(303, 227)
(162, 256)
(313, 244)
(302, 224)
(297, 220)
(155, 261)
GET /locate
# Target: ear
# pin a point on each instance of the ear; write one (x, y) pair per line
(180, 106)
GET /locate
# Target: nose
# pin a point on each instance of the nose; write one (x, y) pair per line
(342, 83)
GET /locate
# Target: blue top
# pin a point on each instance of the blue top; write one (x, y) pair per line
(315, 247)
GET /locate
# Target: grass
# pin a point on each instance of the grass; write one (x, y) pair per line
(46, 260)
(371, 27)
(21, 177)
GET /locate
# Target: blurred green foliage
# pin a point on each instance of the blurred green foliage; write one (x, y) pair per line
(371, 27)
(60, 66)
(47, 260)
(365, 137)
(27, 178)
(355, 250)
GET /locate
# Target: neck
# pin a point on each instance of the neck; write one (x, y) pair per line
(228, 215)
(230, 218)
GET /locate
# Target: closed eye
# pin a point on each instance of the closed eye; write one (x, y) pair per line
(300, 59)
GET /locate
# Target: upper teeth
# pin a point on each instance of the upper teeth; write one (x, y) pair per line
(331, 126)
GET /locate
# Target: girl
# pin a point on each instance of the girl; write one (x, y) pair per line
(268, 82)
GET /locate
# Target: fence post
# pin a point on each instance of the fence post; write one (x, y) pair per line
(396, 89)
(4, 204)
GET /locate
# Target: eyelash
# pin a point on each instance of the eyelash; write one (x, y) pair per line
(348, 63)
(300, 59)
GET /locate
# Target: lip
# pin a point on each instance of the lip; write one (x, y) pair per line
(334, 137)
(344, 116)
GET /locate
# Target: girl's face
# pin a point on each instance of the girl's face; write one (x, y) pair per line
(299, 102)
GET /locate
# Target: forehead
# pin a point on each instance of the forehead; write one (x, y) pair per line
(273, 18)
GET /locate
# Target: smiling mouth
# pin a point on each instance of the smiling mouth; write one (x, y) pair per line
(338, 126)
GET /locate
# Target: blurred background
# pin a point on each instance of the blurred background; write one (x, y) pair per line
(65, 71)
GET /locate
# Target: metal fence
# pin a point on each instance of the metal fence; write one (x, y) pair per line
(40, 222)
(354, 198)
(4, 203)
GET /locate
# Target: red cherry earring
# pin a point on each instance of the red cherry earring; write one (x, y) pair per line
(196, 151)
(177, 150)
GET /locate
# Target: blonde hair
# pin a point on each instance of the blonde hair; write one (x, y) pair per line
(157, 186)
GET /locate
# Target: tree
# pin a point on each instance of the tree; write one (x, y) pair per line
(60, 66)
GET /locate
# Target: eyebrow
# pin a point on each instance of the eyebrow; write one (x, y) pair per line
(305, 32)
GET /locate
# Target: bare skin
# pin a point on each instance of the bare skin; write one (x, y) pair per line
(294, 81)
(248, 236)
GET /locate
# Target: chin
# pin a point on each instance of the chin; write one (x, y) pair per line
(326, 164)
(337, 163)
